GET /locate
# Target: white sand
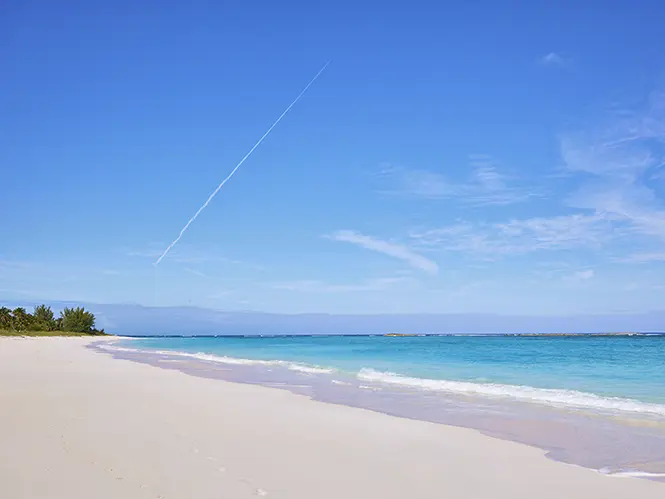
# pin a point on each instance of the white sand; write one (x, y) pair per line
(79, 424)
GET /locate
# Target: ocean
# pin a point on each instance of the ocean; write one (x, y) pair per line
(596, 401)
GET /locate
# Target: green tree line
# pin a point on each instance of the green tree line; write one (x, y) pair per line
(71, 320)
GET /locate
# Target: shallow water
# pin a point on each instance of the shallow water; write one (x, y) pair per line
(595, 402)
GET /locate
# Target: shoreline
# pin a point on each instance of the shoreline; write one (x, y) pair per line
(81, 424)
(591, 439)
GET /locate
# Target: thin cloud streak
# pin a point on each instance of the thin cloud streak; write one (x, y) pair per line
(188, 255)
(643, 258)
(315, 286)
(387, 248)
(197, 273)
(486, 185)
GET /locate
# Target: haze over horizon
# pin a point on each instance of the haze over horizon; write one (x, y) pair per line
(136, 319)
(462, 161)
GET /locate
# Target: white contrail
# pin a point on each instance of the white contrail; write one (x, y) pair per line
(240, 163)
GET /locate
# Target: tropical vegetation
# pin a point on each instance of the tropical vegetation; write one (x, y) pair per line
(42, 321)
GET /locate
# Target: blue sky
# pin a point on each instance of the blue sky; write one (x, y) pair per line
(472, 157)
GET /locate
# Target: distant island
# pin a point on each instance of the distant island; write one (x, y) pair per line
(525, 334)
(576, 334)
(42, 322)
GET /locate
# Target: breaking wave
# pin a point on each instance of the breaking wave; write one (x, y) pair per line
(553, 397)
(562, 398)
(222, 359)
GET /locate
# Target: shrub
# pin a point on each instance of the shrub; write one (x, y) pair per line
(43, 319)
(77, 320)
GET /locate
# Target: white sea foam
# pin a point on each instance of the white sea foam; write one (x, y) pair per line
(553, 397)
(367, 387)
(631, 473)
(307, 369)
(222, 359)
(114, 348)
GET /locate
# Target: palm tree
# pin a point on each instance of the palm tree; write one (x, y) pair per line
(5, 318)
(22, 319)
(43, 318)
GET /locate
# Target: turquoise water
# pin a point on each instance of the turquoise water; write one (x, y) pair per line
(625, 374)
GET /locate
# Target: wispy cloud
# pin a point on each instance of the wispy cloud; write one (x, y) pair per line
(221, 294)
(141, 253)
(554, 59)
(486, 185)
(184, 256)
(518, 237)
(7, 263)
(616, 205)
(317, 286)
(47, 269)
(619, 161)
(197, 273)
(643, 257)
(583, 275)
(557, 269)
(187, 255)
(56, 279)
(394, 250)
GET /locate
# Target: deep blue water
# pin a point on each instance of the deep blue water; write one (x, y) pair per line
(594, 372)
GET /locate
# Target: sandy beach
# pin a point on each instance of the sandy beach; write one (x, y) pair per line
(75, 423)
